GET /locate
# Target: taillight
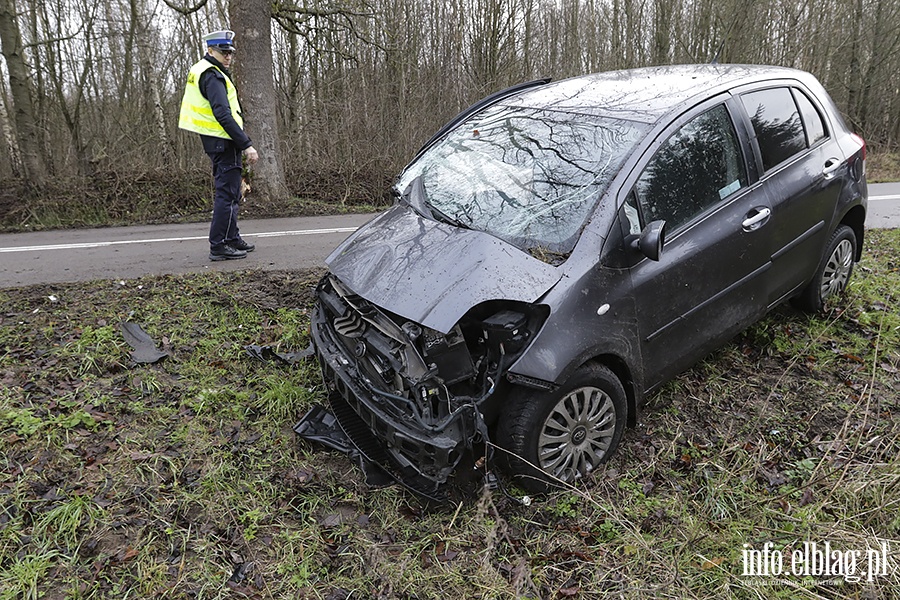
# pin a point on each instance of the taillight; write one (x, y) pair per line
(861, 142)
(857, 162)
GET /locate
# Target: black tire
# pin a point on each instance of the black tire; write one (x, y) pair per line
(566, 433)
(833, 273)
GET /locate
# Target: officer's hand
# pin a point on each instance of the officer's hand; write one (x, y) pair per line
(252, 155)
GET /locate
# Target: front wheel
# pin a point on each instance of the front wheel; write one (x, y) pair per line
(833, 273)
(563, 435)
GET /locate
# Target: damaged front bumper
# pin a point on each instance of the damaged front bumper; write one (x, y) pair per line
(414, 400)
(420, 457)
(392, 401)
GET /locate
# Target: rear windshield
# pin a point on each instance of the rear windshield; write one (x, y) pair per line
(528, 176)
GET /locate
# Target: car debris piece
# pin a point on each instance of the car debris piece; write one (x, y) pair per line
(144, 349)
(266, 353)
(318, 425)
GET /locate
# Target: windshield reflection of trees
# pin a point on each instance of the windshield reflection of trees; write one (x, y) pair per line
(529, 178)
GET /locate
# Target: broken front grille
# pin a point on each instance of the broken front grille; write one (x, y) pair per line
(379, 383)
(408, 365)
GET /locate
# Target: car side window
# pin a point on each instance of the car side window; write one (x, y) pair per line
(812, 120)
(776, 122)
(696, 168)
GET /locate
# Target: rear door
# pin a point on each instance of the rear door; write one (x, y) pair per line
(710, 280)
(800, 161)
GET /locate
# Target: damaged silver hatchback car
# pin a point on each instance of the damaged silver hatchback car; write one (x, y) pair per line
(559, 250)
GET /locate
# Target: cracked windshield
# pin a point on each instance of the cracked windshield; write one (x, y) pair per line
(530, 177)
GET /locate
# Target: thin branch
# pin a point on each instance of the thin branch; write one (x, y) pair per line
(65, 38)
(186, 10)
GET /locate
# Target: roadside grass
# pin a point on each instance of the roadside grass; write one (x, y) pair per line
(56, 212)
(883, 166)
(183, 479)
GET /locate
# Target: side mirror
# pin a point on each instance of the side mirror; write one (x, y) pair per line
(650, 242)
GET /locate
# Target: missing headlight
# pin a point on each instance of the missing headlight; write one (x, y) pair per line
(505, 332)
(449, 354)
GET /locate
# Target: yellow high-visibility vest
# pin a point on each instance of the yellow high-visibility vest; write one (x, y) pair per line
(196, 113)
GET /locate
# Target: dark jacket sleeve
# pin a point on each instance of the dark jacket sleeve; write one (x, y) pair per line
(212, 86)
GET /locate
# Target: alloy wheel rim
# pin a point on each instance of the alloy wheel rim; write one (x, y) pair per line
(577, 434)
(837, 269)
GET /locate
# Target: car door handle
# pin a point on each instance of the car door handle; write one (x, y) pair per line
(756, 217)
(831, 166)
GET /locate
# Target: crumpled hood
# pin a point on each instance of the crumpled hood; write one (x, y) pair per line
(432, 273)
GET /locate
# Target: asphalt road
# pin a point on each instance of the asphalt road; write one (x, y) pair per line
(118, 253)
(884, 206)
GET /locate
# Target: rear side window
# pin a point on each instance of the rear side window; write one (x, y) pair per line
(776, 122)
(812, 120)
(695, 169)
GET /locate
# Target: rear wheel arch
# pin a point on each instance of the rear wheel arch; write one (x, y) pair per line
(833, 271)
(855, 219)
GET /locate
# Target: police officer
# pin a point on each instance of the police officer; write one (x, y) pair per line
(210, 107)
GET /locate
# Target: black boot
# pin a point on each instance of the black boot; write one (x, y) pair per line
(226, 253)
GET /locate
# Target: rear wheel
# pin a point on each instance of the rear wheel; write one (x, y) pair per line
(565, 434)
(834, 271)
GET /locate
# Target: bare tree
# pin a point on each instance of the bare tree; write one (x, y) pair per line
(11, 162)
(26, 122)
(68, 78)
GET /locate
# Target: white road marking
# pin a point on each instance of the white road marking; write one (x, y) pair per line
(84, 245)
(880, 198)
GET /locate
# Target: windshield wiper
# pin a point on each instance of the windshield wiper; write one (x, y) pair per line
(414, 197)
(440, 216)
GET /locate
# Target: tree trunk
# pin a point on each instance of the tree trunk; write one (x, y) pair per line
(151, 80)
(12, 155)
(252, 24)
(662, 25)
(27, 133)
(854, 83)
(69, 90)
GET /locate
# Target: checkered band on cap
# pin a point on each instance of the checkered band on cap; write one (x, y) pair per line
(224, 37)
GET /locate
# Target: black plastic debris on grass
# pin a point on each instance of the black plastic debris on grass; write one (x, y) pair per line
(143, 347)
(266, 353)
(320, 426)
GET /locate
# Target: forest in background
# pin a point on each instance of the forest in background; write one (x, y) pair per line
(90, 89)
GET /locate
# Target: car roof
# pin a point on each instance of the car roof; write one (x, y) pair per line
(645, 94)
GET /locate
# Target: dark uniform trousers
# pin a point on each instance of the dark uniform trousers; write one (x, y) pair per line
(226, 167)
